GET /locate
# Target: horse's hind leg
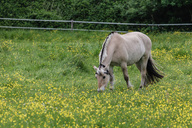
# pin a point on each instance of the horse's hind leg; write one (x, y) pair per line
(125, 73)
(142, 66)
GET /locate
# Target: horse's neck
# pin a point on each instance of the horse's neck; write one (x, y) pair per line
(110, 51)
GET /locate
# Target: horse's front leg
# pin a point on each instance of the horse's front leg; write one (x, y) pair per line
(125, 73)
(111, 78)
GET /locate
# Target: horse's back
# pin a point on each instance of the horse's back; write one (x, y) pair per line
(131, 47)
(138, 36)
(137, 39)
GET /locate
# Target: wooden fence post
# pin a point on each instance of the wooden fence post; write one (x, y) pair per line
(71, 25)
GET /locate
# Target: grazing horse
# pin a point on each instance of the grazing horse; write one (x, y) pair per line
(125, 50)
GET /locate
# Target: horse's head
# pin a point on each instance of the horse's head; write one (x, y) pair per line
(102, 75)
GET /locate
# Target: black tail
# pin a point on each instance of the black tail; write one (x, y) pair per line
(153, 74)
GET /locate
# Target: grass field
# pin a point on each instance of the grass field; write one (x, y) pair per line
(47, 80)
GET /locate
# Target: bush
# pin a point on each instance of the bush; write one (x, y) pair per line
(135, 11)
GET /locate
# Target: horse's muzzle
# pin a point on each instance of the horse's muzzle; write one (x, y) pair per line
(101, 89)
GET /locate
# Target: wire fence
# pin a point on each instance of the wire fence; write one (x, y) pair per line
(72, 22)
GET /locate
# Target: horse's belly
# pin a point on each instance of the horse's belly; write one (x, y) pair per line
(134, 57)
(133, 61)
(116, 61)
(130, 57)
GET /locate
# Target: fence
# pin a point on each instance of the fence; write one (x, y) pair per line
(72, 22)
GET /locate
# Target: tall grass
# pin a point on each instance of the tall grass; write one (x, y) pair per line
(47, 80)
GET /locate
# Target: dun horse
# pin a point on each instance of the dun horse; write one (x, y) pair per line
(125, 50)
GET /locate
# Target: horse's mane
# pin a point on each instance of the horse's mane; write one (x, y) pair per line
(103, 52)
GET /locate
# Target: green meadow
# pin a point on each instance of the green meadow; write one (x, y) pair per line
(47, 80)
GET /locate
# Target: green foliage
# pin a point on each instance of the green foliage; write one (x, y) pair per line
(132, 11)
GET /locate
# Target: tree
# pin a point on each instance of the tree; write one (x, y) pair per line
(183, 4)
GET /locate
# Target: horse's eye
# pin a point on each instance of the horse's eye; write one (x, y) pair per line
(103, 77)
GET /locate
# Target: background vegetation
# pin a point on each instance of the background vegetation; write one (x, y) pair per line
(132, 11)
(47, 80)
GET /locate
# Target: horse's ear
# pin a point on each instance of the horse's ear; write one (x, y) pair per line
(95, 68)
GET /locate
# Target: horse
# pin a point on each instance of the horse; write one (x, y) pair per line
(125, 50)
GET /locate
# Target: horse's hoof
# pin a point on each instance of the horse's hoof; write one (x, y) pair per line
(111, 88)
(130, 87)
(140, 87)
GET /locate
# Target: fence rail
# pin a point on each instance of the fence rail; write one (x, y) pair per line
(83, 22)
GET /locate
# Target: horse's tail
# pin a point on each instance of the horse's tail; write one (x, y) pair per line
(153, 74)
